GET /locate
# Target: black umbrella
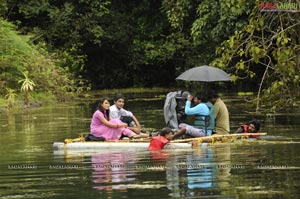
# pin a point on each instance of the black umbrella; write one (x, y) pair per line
(204, 74)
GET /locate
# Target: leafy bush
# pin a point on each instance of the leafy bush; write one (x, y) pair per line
(18, 55)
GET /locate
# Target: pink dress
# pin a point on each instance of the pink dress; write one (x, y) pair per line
(99, 129)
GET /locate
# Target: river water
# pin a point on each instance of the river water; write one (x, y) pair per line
(268, 168)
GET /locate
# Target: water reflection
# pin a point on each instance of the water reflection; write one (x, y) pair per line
(183, 173)
(209, 171)
(27, 137)
(159, 154)
(201, 172)
(112, 170)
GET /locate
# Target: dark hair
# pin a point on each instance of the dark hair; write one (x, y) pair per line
(256, 124)
(119, 96)
(213, 94)
(165, 131)
(201, 96)
(100, 108)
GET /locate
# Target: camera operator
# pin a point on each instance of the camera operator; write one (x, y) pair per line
(199, 110)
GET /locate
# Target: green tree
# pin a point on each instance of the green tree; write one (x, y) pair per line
(136, 49)
(65, 26)
(130, 43)
(18, 54)
(266, 49)
(203, 25)
(216, 21)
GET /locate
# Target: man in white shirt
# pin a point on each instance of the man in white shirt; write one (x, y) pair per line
(117, 111)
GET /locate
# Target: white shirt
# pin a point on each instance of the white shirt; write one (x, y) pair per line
(115, 112)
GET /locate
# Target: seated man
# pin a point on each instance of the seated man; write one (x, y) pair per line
(198, 110)
(117, 111)
(251, 127)
(211, 120)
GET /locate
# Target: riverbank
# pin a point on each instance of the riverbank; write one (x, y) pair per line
(45, 99)
(132, 94)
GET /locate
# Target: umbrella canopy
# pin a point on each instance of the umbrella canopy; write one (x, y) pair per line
(204, 74)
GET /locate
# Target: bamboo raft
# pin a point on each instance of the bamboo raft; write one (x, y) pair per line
(220, 138)
(79, 144)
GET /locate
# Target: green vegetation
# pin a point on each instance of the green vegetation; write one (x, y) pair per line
(267, 50)
(69, 47)
(27, 86)
(10, 97)
(25, 66)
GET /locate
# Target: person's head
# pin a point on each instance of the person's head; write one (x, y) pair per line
(253, 126)
(199, 97)
(213, 96)
(119, 100)
(104, 104)
(167, 132)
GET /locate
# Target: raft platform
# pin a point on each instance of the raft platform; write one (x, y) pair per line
(78, 144)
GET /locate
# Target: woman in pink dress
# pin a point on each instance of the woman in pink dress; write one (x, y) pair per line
(103, 126)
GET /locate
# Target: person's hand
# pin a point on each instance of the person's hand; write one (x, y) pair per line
(124, 125)
(189, 98)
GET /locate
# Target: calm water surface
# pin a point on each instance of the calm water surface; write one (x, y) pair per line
(268, 168)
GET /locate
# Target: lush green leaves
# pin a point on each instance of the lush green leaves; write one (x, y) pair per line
(148, 43)
(18, 54)
(267, 46)
(217, 20)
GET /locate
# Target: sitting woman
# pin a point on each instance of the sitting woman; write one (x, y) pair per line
(103, 127)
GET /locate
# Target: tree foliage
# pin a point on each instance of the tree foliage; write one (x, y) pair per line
(147, 43)
(18, 54)
(216, 21)
(66, 26)
(136, 42)
(205, 24)
(266, 49)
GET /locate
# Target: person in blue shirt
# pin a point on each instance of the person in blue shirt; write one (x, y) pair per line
(199, 110)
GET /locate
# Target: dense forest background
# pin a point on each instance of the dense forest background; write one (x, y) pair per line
(71, 46)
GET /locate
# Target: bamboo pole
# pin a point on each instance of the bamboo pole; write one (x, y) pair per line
(219, 137)
(207, 139)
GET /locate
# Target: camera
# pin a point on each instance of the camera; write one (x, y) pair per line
(181, 99)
